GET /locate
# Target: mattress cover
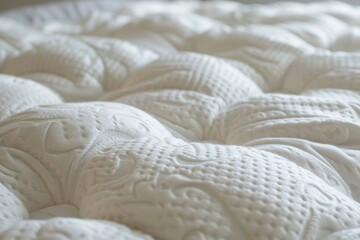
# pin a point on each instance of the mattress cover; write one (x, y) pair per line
(183, 120)
(65, 11)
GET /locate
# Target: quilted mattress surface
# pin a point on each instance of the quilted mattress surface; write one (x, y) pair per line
(183, 120)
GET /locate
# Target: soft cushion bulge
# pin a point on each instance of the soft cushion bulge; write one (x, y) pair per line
(185, 120)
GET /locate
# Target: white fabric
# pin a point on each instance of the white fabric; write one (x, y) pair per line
(187, 120)
(37, 14)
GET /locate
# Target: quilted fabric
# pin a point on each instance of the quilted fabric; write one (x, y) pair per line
(183, 120)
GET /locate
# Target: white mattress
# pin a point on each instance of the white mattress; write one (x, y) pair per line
(183, 120)
(73, 10)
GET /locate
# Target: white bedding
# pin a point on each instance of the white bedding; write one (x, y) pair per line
(183, 120)
(65, 11)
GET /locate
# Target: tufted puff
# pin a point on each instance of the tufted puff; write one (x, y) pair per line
(186, 120)
(192, 72)
(16, 95)
(78, 68)
(59, 228)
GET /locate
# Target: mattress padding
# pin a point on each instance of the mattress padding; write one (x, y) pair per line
(183, 120)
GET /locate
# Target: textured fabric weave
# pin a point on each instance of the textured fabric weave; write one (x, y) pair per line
(183, 120)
